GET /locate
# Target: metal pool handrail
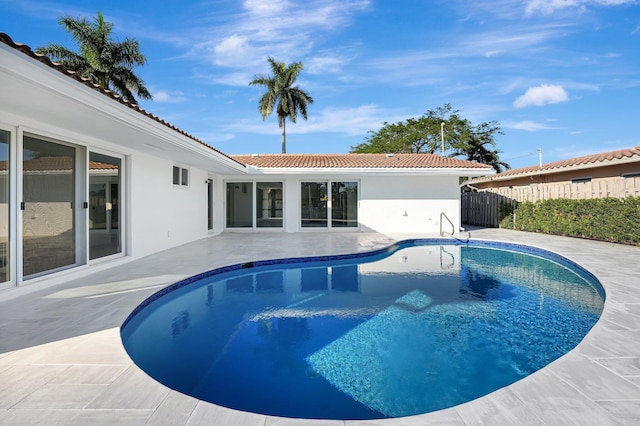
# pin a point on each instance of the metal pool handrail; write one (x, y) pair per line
(453, 227)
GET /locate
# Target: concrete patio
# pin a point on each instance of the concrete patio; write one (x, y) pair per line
(62, 360)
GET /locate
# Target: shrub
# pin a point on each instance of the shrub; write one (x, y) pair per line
(615, 220)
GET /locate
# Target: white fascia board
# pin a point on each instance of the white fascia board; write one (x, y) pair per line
(371, 171)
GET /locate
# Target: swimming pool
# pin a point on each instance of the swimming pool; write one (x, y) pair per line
(423, 325)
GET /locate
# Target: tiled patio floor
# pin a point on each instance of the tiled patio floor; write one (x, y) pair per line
(62, 361)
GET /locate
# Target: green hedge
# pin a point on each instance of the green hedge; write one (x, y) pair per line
(615, 220)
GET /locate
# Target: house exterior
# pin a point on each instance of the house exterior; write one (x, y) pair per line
(88, 179)
(607, 174)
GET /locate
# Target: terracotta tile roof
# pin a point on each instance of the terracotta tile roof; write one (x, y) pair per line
(6, 39)
(356, 161)
(587, 161)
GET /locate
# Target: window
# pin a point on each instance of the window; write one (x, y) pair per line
(180, 176)
(630, 175)
(581, 180)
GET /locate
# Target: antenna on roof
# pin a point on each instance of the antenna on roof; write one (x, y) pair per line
(540, 156)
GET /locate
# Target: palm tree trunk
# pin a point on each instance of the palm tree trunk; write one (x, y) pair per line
(284, 138)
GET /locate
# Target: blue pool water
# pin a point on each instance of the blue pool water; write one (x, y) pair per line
(421, 326)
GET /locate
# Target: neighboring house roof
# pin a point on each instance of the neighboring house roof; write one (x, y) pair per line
(355, 161)
(621, 156)
(6, 39)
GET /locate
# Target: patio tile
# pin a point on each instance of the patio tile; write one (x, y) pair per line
(19, 381)
(175, 409)
(622, 366)
(279, 421)
(89, 375)
(594, 380)
(543, 390)
(37, 417)
(112, 417)
(500, 407)
(214, 415)
(628, 412)
(61, 396)
(133, 389)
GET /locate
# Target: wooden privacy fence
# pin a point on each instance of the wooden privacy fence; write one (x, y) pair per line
(483, 208)
(617, 187)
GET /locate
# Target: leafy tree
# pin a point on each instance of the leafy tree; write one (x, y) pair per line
(290, 100)
(421, 135)
(101, 60)
(424, 135)
(474, 147)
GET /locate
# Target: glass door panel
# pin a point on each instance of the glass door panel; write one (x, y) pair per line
(48, 209)
(210, 204)
(104, 205)
(313, 197)
(4, 205)
(344, 204)
(269, 204)
(239, 205)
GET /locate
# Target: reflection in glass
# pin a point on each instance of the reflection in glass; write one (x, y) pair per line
(344, 204)
(314, 204)
(4, 205)
(239, 202)
(104, 206)
(269, 204)
(48, 216)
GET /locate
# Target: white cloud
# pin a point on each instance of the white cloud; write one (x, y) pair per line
(172, 97)
(230, 50)
(542, 95)
(547, 7)
(347, 121)
(324, 64)
(276, 28)
(527, 125)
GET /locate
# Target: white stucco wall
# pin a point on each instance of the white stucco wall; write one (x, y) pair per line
(164, 215)
(408, 203)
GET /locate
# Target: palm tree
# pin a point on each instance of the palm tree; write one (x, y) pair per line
(104, 62)
(289, 99)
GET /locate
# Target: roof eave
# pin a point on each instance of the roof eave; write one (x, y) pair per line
(451, 171)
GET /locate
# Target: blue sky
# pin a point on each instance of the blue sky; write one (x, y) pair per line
(560, 75)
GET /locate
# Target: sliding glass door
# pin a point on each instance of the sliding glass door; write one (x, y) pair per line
(316, 207)
(104, 205)
(5, 140)
(254, 205)
(48, 216)
(344, 204)
(313, 196)
(269, 204)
